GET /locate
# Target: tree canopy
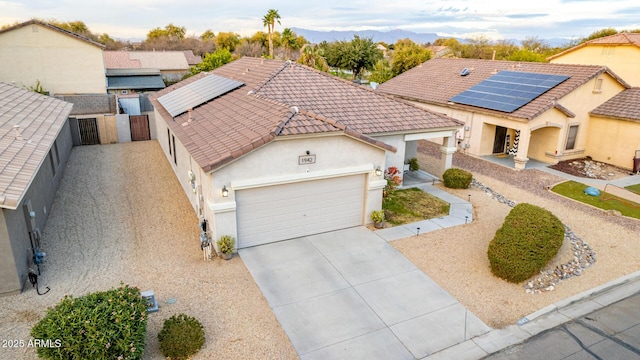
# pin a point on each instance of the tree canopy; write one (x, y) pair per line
(269, 20)
(357, 55)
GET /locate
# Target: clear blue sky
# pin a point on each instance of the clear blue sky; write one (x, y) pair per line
(514, 19)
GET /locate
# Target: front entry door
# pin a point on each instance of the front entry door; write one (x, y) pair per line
(501, 136)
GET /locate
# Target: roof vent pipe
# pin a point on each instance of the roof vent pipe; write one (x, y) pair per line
(190, 117)
(295, 109)
(17, 129)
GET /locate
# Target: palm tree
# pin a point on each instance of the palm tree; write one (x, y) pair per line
(288, 39)
(313, 56)
(269, 20)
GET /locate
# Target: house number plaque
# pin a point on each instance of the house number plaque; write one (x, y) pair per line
(306, 159)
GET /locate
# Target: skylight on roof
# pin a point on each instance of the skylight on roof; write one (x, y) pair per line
(507, 91)
(197, 93)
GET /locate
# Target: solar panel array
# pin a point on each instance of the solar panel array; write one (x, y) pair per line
(508, 91)
(197, 93)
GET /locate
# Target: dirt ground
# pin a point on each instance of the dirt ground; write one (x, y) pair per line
(120, 215)
(587, 168)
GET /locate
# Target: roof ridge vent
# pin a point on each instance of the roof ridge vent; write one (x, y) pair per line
(465, 72)
(17, 129)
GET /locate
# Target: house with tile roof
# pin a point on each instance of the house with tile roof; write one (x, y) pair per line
(35, 143)
(619, 52)
(614, 128)
(512, 109)
(62, 61)
(67, 66)
(172, 65)
(269, 150)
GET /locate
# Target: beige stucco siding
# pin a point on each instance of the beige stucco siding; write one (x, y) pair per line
(613, 141)
(9, 279)
(624, 60)
(62, 63)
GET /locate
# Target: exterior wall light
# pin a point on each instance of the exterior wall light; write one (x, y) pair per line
(378, 171)
(225, 191)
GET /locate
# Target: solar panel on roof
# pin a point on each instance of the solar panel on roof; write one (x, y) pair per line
(197, 93)
(507, 91)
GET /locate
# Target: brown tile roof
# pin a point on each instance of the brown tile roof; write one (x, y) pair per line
(438, 80)
(40, 119)
(192, 59)
(622, 39)
(163, 60)
(55, 28)
(120, 60)
(283, 99)
(625, 105)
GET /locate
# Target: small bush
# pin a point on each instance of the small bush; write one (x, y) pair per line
(226, 243)
(413, 164)
(457, 178)
(528, 239)
(101, 325)
(377, 216)
(181, 336)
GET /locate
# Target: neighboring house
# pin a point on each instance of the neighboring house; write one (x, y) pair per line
(173, 65)
(36, 143)
(527, 110)
(614, 128)
(440, 51)
(131, 81)
(619, 52)
(269, 150)
(61, 61)
(69, 67)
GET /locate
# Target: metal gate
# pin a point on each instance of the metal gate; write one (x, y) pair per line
(88, 131)
(139, 127)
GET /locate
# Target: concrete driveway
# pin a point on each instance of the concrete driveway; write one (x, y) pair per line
(349, 294)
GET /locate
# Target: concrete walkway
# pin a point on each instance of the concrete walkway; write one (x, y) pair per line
(349, 294)
(460, 212)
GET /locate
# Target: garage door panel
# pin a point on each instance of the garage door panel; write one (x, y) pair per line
(293, 210)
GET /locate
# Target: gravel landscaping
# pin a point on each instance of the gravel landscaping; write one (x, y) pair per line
(456, 258)
(121, 215)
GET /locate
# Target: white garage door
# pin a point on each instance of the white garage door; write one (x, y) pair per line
(273, 213)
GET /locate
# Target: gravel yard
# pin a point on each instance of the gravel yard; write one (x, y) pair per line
(120, 215)
(456, 258)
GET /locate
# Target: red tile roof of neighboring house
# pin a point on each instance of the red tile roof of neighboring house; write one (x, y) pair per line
(621, 39)
(282, 99)
(120, 60)
(438, 80)
(625, 105)
(39, 119)
(192, 59)
(55, 28)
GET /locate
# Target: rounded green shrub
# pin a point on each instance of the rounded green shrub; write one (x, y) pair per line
(102, 325)
(181, 336)
(457, 178)
(528, 239)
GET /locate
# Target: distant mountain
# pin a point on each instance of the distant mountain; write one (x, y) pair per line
(388, 37)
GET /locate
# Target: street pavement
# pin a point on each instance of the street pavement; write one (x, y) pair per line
(612, 332)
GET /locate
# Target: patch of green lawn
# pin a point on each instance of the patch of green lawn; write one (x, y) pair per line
(411, 205)
(575, 190)
(635, 188)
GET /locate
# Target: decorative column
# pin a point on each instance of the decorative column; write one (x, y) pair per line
(520, 159)
(446, 158)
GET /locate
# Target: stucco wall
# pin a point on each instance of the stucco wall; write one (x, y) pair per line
(277, 162)
(63, 64)
(9, 280)
(41, 193)
(624, 60)
(394, 159)
(613, 141)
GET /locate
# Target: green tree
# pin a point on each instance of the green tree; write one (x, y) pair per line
(526, 55)
(599, 34)
(446, 42)
(288, 41)
(227, 40)
(407, 55)
(175, 33)
(356, 55)
(381, 72)
(313, 56)
(269, 20)
(208, 35)
(213, 61)
(260, 37)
